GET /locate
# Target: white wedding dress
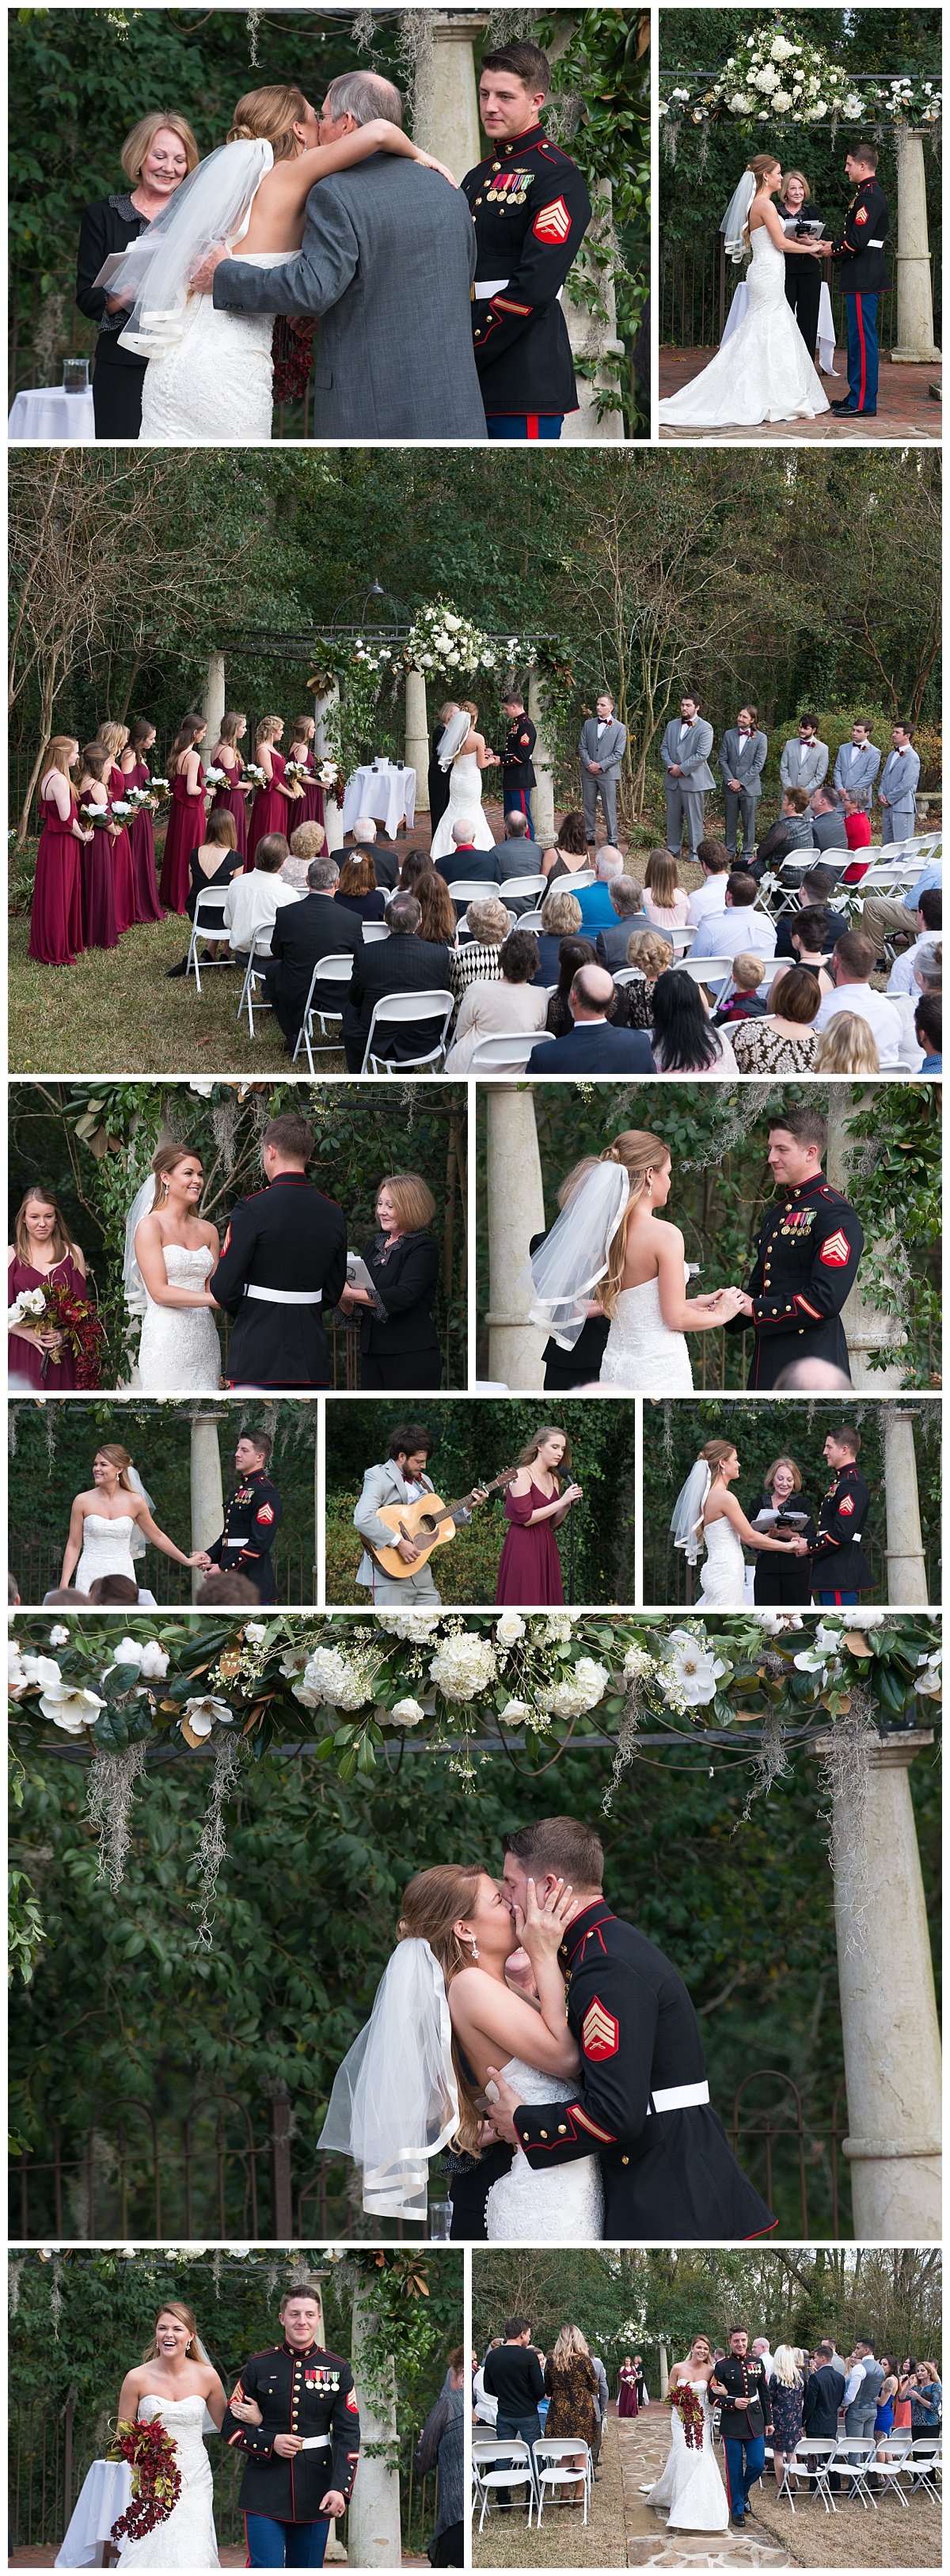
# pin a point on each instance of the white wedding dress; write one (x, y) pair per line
(179, 1352)
(641, 1352)
(216, 385)
(465, 803)
(765, 372)
(564, 2206)
(106, 1549)
(691, 2491)
(187, 2537)
(723, 1583)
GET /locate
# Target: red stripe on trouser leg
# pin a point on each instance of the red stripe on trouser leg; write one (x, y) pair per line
(860, 323)
(532, 424)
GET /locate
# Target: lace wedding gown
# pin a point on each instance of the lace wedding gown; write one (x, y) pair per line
(179, 1352)
(106, 1549)
(691, 2491)
(187, 2538)
(764, 372)
(564, 2206)
(216, 384)
(465, 802)
(641, 1352)
(723, 1583)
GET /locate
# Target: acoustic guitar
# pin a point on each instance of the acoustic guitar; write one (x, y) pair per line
(429, 1523)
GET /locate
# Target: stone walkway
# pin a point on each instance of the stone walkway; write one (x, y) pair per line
(906, 408)
(644, 2444)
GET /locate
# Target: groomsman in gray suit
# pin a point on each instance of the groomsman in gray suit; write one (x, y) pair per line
(684, 752)
(857, 766)
(742, 756)
(602, 745)
(805, 763)
(897, 792)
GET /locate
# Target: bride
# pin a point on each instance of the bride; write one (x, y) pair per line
(417, 2078)
(173, 2386)
(170, 1253)
(463, 752)
(210, 375)
(691, 2491)
(608, 1245)
(764, 371)
(100, 1535)
(706, 1513)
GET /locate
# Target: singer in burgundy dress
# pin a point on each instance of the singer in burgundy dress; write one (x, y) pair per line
(123, 868)
(231, 800)
(530, 1568)
(26, 1357)
(142, 845)
(56, 935)
(270, 807)
(185, 826)
(98, 887)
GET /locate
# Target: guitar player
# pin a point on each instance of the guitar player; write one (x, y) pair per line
(401, 1479)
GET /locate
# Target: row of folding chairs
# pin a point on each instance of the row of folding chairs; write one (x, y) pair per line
(536, 2471)
(916, 2462)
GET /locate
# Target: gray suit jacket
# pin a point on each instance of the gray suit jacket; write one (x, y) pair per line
(899, 780)
(608, 750)
(743, 756)
(692, 755)
(387, 262)
(856, 771)
(804, 765)
(381, 1485)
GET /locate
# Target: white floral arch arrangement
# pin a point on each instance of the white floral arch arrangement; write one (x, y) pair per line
(773, 77)
(454, 648)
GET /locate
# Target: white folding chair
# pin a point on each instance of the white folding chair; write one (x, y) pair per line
(851, 2461)
(515, 886)
(502, 1054)
(328, 970)
(627, 975)
(889, 2473)
(375, 930)
(260, 948)
(580, 877)
(550, 2470)
(811, 2463)
(926, 2466)
(682, 938)
(506, 2463)
(393, 1008)
(465, 890)
(707, 970)
(208, 923)
(528, 921)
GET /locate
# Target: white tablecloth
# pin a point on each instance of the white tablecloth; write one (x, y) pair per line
(49, 413)
(106, 2492)
(386, 793)
(826, 328)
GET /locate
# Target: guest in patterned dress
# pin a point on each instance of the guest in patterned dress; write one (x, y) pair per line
(571, 2383)
(787, 2392)
(786, 1042)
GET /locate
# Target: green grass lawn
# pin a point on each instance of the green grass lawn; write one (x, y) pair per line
(113, 1012)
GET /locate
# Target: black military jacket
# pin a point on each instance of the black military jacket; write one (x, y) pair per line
(289, 1242)
(516, 762)
(809, 1247)
(252, 1517)
(310, 2393)
(530, 209)
(748, 2378)
(837, 1557)
(863, 270)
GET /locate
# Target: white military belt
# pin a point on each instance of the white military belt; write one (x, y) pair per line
(485, 287)
(316, 2442)
(286, 1296)
(873, 245)
(679, 2097)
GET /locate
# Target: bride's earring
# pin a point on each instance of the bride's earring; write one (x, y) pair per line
(474, 1949)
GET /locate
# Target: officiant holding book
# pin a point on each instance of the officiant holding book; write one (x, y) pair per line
(784, 1510)
(391, 1288)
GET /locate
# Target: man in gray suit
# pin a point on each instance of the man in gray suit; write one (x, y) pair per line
(897, 793)
(602, 745)
(684, 752)
(804, 763)
(857, 766)
(626, 900)
(742, 756)
(401, 1478)
(387, 263)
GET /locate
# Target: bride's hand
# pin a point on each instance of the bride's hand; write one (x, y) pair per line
(544, 1925)
(247, 2410)
(429, 163)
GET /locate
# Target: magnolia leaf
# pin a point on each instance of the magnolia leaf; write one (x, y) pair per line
(855, 1643)
(195, 1741)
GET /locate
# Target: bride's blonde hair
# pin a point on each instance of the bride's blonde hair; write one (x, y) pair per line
(759, 170)
(715, 1453)
(432, 1904)
(639, 1153)
(270, 115)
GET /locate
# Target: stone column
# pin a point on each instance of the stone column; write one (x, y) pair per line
(915, 303)
(417, 735)
(906, 1568)
(867, 1327)
(207, 1493)
(374, 2537)
(664, 2370)
(542, 794)
(888, 2009)
(593, 335)
(515, 1213)
(323, 709)
(212, 703)
(445, 118)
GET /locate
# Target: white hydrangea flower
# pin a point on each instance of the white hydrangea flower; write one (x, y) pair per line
(740, 104)
(780, 49)
(782, 100)
(405, 1712)
(127, 1652)
(510, 1627)
(334, 1678)
(202, 1714)
(581, 1690)
(59, 1636)
(415, 1627)
(557, 1629)
(256, 1630)
(70, 1707)
(463, 1666)
(636, 1663)
(694, 1668)
(516, 1712)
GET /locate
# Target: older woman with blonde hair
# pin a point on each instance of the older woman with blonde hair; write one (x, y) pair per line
(651, 953)
(561, 917)
(399, 1345)
(477, 960)
(156, 156)
(784, 1582)
(308, 842)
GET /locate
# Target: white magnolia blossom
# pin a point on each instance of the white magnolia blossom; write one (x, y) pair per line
(694, 1668)
(332, 1678)
(202, 1714)
(825, 1643)
(41, 1668)
(70, 1707)
(582, 1688)
(463, 1666)
(929, 1680)
(59, 1636)
(16, 1677)
(405, 1712)
(510, 1627)
(255, 1630)
(516, 1712)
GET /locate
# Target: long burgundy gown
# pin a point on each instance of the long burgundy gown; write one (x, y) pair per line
(232, 800)
(123, 871)
(142, 844)
(311, 811)
(270, 809)
(99, 928)
(56, 911)
(185, 813)
(627, 2398)
(25, 1357)
(530, 1568)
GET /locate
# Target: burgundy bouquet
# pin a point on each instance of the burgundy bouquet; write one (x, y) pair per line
(77, 1321)
(156, 2478)
(687, 2404)
(292, 353)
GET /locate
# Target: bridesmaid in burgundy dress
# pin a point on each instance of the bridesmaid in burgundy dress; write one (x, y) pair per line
(301, 748)
(114, 739)
(186, 816)
(98, 888)
(271, 801)
(135, 773)
(56, 912)
(231, 799)
(42, 1249)
(530, 1568)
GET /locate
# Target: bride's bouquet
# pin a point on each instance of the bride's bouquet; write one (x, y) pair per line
(688, 2405)
(152, 2455)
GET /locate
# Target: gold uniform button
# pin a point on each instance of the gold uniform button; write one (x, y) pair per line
(496, 165)
(544, 2133)
(624, 2160)
(562, 2129)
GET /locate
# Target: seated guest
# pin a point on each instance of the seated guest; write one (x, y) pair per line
(569, 855)
(117, 1592)
(684, 1040)
(927, 982)
(882, 913)
(412, 866)
(811, 939)
(500, 1009)
(467, 865)
(478, 960)
(651, 954)
(386, 859)
(815, 889)
(308, 842)
(852, 966)
(928, 1026)
(516, 856)
(597, 911)
(665, 902)
(785, 1042)
(929, 919)
(314, 927)
(212, 864)
(574, 953)
(626, 900)
(847, 1045)
(827, 820)
(252, 902)
(791, 831)
(716, 863)
(560, 919)
(857, 824)
(226, 1592)
(403, 963)
(592, 1045)
(437, 925)
(745, 1001)
(357, 889)
(723, 934)
(399, 1345)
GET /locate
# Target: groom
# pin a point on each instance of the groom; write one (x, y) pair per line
(282, 1259)
(302, 2458)
(642, 2100)
(387, 262)
(807, 1255)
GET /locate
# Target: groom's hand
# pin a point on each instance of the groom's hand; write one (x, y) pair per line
(503, 2111)
(744, 1305)
(286, 2444)
(333, 2503)
(202, 278)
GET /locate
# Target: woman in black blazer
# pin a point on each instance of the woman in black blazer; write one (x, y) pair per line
(399, 1345)
(158, 154)
(784, 1582)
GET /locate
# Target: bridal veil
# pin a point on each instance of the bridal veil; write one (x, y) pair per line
(212, 205)
(565, 1270)
(395, 2102)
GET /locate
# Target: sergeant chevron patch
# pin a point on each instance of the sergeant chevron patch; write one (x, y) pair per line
(835, 1250)
(553, 223)
(600, 2033)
